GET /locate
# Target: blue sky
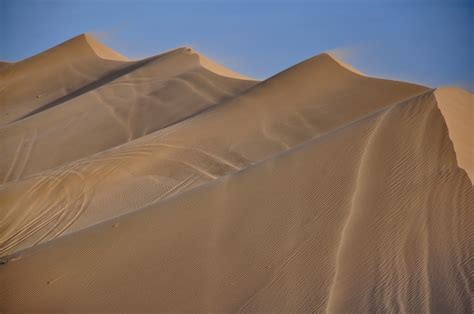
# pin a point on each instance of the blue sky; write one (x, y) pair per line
(424, 41)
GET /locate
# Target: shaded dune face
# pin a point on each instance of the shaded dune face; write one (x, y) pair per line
(298, 104)
(165, 90)
(384, 227)
(34, 83)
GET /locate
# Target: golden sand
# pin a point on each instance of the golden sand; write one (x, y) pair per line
(175, 184)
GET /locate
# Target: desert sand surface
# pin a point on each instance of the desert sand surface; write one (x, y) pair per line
(58, 74)
(4, 64)
(457, 106)
(278, 114)
(175, 184)
(165, 90)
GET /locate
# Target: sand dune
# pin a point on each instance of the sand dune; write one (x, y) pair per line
(376, 229)
(102, 50)
(305, 101)
(175, 184)
(166, 89)
(56, 73)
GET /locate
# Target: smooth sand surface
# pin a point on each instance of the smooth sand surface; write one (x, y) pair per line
(175, 184)
(457, 106)
(4, 64)
(220, 69)
(102, 50)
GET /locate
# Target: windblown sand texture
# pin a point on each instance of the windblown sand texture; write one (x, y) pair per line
(175, 184)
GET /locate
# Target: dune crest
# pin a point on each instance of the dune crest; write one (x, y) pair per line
(102, 50)
(218, 68)
(345, 64)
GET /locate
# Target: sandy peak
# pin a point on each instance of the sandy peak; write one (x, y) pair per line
(344, 64)
(215, 67)
(101, 50)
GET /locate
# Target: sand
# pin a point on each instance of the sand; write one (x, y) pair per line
(181, 185)
(457, 106)
(57, 73)
(4, 64)
(158, 93)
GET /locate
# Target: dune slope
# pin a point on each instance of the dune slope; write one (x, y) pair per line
(372, 217)
(4, 64)
(305, 101)
(160, 92)
(457, 106)
(36, 82)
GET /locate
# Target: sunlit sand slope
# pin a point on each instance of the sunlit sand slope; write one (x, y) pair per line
(375, 216)
(457, 106)
(40, 81)
(160, 92)
(303, 102)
